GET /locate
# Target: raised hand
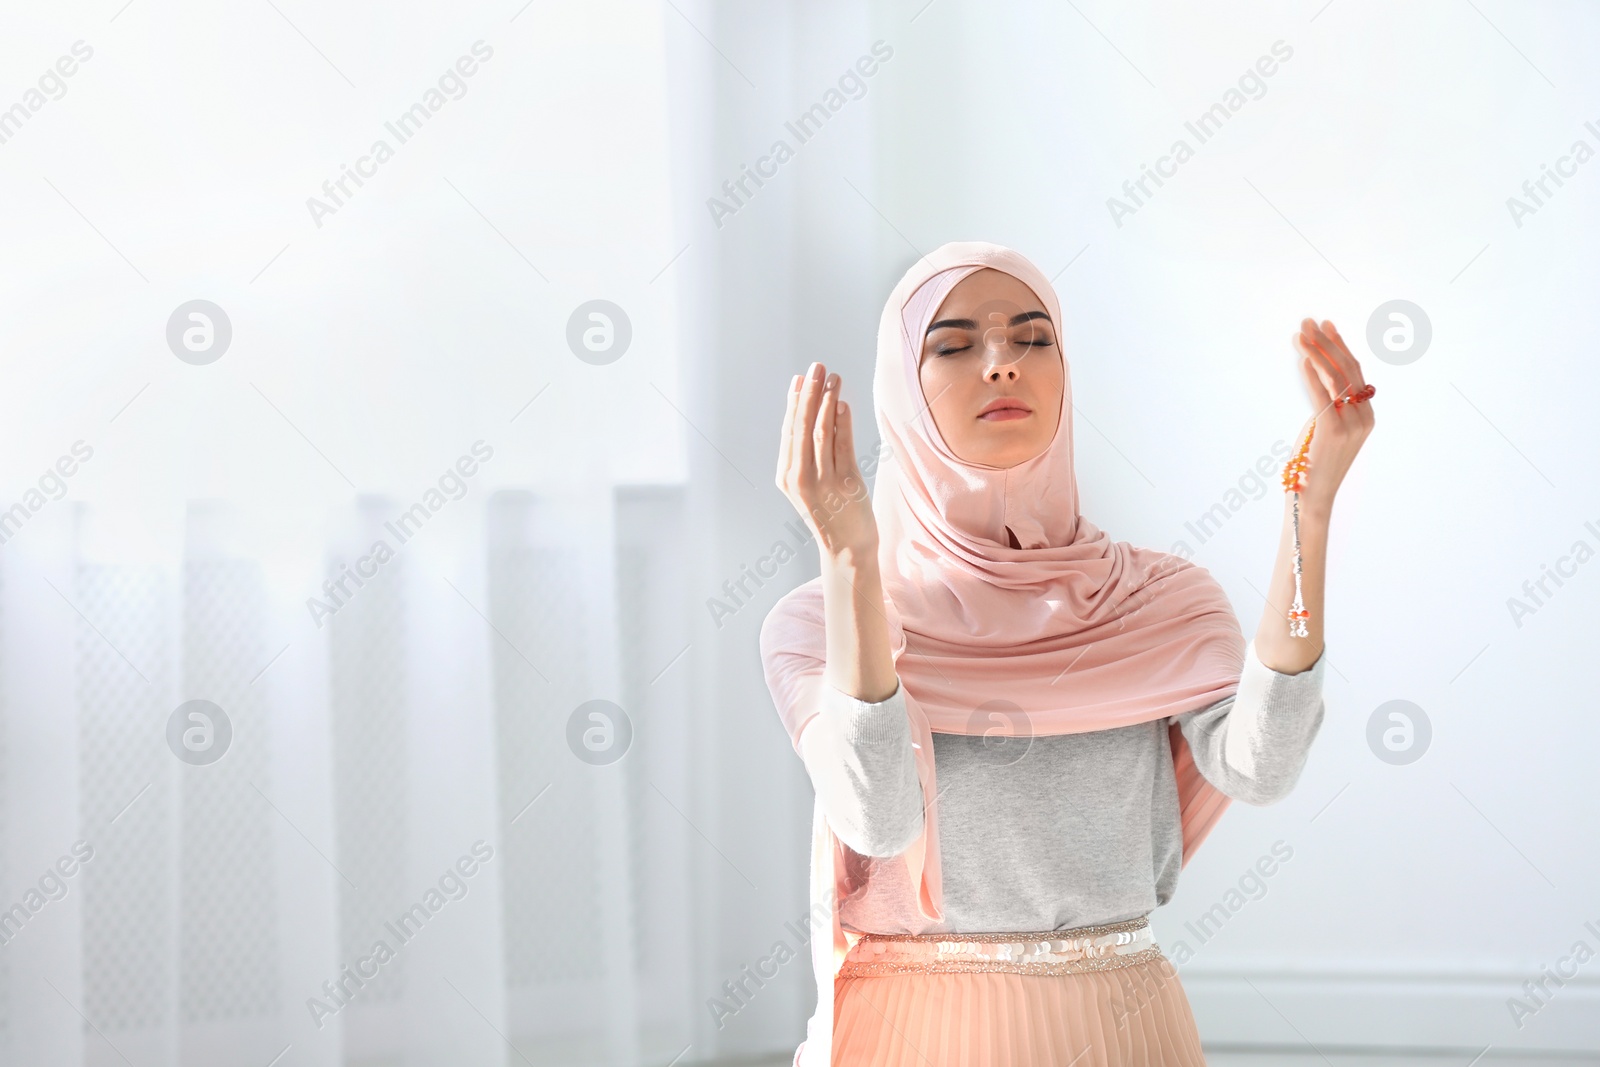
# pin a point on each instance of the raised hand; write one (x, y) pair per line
(1331, 372)
(817, 468)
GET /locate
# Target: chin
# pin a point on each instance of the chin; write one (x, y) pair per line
(1011, 455)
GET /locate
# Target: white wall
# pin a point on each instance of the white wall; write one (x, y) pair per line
(1376, 165)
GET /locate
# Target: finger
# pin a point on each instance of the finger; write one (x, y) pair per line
(1325, 389)
(1342, 354)
(844, 443)
(806, 423)
(1331, 332)
(1335, 379)
(1336, 357)
(1316, 389)
(786, 438)
(827, 418)
(1329, 353)
(1317, 339)
(1357, 377)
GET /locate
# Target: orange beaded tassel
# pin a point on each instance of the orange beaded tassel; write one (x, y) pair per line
(1294, 481)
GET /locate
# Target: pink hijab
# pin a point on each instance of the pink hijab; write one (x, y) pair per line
(1073, 630)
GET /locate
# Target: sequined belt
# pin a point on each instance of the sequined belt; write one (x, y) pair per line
(1083, 948)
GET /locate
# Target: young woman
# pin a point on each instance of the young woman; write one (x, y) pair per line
(1018, 729)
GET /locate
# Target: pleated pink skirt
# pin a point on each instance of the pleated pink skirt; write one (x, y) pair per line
(1132, 1015)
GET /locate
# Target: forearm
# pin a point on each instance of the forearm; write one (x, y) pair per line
(1273, 643)
(858, 749)
(859, 663)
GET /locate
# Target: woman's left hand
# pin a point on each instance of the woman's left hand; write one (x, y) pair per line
(1330, 372)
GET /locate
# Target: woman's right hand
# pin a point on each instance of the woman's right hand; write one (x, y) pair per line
(817, 468)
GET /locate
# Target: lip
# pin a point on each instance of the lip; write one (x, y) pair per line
(1004, 409)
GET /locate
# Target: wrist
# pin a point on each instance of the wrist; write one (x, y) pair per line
(1313, 510)
(857, 561)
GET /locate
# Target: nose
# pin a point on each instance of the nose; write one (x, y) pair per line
(1000, 361)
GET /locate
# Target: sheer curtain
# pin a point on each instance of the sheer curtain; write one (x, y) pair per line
(399, 776)
(344, 695)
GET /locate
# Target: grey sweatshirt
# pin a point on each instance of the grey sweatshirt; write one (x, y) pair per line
(1049, 833)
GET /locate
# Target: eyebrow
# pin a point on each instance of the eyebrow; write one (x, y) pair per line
(970, 324)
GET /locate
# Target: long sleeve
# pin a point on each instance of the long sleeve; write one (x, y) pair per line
(860, 759)
(1253, 746)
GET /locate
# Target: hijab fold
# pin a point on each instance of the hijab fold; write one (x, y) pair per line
(1071, 632)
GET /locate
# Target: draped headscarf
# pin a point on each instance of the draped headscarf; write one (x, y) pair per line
(1068, 633)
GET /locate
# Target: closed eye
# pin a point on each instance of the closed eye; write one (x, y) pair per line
(963, 348)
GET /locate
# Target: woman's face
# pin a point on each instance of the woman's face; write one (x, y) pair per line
(991, 371)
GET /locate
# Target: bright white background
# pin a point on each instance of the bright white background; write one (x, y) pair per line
(431, 311)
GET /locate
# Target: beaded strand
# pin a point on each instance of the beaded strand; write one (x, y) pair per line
(1294, 481)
